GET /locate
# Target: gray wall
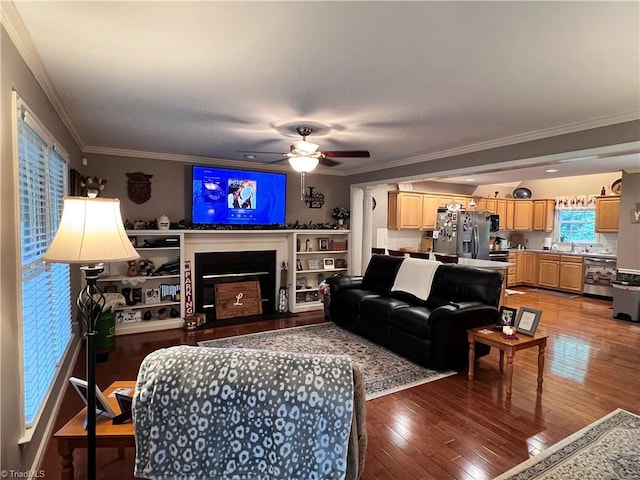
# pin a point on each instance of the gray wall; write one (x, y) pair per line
(170, 188)
(16, 74)
(629, 233)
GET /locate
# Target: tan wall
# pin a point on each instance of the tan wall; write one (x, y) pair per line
(170, 189)
(15, 74)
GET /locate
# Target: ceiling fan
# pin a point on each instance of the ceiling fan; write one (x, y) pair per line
(304, 156)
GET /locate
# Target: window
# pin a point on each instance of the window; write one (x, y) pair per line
(577, 225)
(46, 295)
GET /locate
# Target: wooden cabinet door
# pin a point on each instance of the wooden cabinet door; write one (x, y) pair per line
(522, 215)
(410, 210)
(510, 215)
(461, 200)
(501, 210)
(607, 214)
(429, 211)
(512, 273)
(481, 205)
(543, 215)
(529, 270)
(492, 205)
(519, 268)
(571, 273)
(548, 271)
(444, 199)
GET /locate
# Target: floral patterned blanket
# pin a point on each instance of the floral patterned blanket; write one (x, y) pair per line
(242, 414)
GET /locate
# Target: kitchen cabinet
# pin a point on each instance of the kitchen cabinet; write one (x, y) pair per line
(607, 214)
(404, 211)
(543, 215)
(444, 199)
(481, 205)
(501, 210)
(492, 205)
(519, 268)
(461, 200)
(529, 263)
(522, 215)
(512, 273)
(548, 270)
(508, 225)
(571, 273)
(429, 211)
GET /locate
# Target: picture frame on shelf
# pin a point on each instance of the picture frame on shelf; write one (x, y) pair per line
(328, 263)
(339, 245)
(302, 283)
(298, 264)
(506, 317)
(314, 263)
(152, 295)
(323, 243)
(134, 241)
(110, 289)
(527, 320)
(341, 263)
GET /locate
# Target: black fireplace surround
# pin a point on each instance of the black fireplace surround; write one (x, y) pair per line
(224, 267)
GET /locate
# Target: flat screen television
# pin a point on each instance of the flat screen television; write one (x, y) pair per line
(237, 197)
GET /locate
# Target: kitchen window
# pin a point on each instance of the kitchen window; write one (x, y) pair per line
(577, 226)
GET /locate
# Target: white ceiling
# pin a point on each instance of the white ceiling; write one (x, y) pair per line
(402, 80)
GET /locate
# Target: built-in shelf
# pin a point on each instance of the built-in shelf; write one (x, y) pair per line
(323, 252)
(142, 279)
(146, 249)
(139, 306)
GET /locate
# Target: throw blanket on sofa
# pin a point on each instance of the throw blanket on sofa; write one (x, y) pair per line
(242, 414)
(415, 276)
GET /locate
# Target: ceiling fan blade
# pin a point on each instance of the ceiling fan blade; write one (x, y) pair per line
(347, 153)
(327, 162)
(254, 151)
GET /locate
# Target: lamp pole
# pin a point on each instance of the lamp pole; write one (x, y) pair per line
(90, 303)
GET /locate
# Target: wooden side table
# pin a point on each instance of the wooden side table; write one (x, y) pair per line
(490, 336)
(73, 435)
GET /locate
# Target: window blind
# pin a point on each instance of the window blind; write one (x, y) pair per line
(46, 295)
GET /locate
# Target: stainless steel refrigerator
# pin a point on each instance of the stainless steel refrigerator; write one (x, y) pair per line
(465, 234)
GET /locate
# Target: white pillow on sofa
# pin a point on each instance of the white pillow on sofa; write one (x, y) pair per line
(415, 276)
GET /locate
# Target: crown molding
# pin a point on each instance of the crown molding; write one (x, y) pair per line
(11, 21)
(505, 141)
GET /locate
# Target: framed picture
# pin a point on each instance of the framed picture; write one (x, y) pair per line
(134, 241)
(301, 283)
(323, 244)
(341, 263)
(329, 263)
(298, 264)
(110, 289)
(152, 295)
(527, 320)
(507, 317)
(102, 405)
(314, 264)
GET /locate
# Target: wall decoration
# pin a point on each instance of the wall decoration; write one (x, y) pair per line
(314, 199)
(139, 187)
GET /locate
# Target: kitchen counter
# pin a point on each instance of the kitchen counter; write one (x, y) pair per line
(559, 252)
(488, 264)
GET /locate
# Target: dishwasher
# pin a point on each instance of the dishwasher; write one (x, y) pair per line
(599, 274)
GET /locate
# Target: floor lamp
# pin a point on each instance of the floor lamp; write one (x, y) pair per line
(90, 232)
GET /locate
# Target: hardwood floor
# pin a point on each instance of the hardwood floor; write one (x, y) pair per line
(451, 428)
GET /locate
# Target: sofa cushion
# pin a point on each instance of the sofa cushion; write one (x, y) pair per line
(460, 283)
(351, 300)
(380, 274)
(414, 320)
(381, 308)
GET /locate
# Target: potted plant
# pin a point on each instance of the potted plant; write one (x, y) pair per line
(340, 214)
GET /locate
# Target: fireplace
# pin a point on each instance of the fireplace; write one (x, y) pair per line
(212, 268)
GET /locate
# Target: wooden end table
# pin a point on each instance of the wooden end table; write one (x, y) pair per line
(73, 435)
(490, 336)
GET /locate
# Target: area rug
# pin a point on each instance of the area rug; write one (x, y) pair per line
(384, 371)
(608, 449)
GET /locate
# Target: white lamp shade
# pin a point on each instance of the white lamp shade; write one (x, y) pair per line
(90, 232)
(303, 164)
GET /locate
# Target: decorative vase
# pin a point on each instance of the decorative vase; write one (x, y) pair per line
(341, 221)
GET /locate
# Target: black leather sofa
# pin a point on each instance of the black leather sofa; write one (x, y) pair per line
(432, 333)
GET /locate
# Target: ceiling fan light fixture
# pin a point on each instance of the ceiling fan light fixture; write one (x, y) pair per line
(303, 164)
(304, 148)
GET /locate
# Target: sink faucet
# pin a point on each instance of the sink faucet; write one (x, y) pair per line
(573, 247)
